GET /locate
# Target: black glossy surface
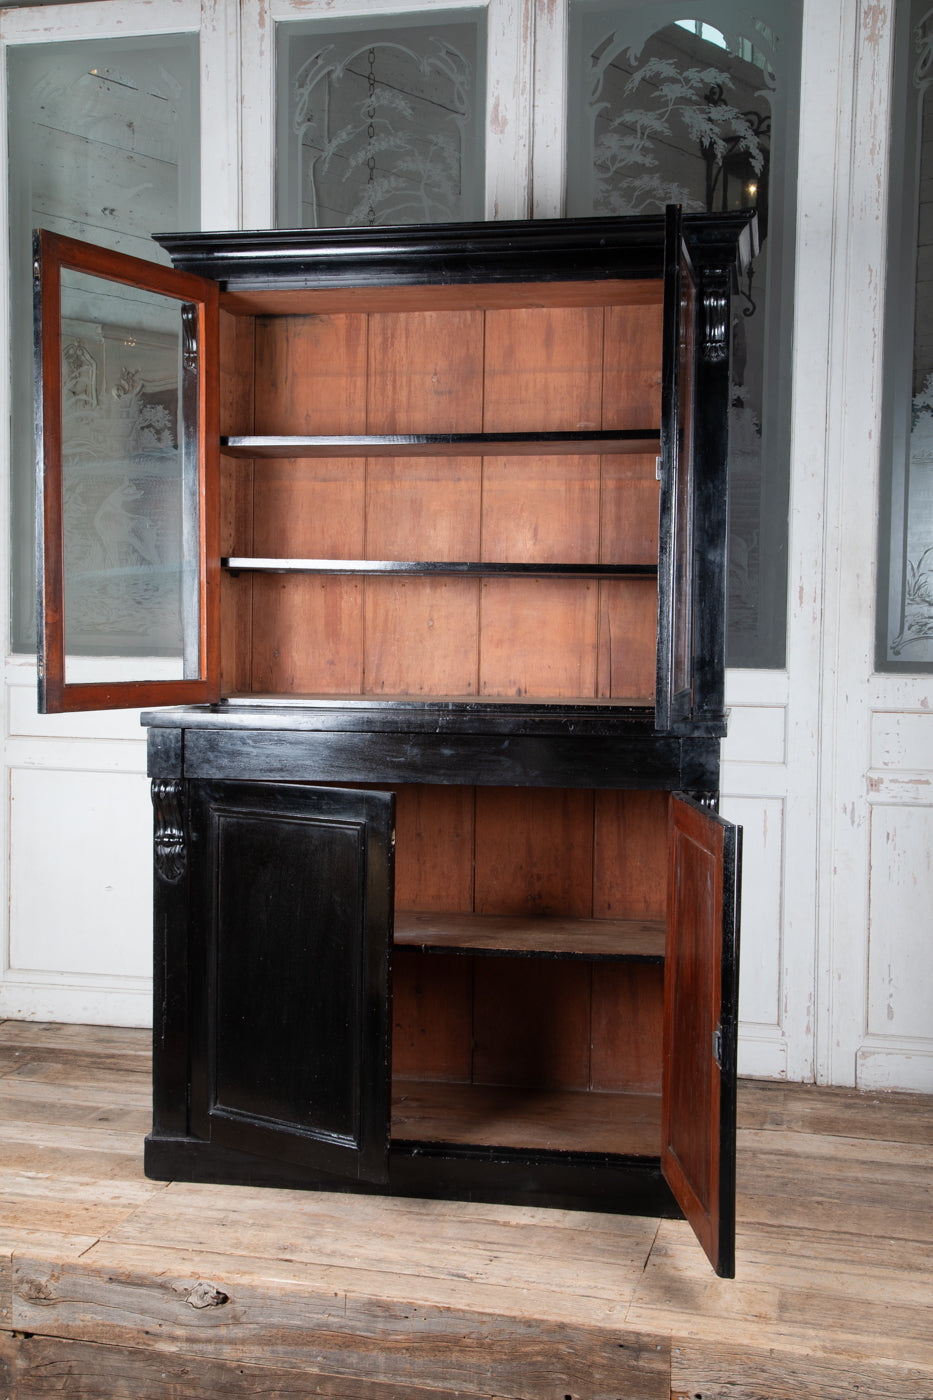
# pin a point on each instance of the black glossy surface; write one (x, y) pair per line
(519, 760)
(438, 568)
(290, 902)
(620, 1185)
(500, 251)
(433, 444)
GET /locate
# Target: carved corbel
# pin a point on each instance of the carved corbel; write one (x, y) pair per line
(716, 304)
(169, 839)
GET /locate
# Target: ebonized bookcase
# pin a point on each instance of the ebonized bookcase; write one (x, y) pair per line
(443, 905)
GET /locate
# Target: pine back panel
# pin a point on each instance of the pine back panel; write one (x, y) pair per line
(541, 1023)
(462, 369)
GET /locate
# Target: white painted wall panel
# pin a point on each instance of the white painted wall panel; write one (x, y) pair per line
(900, 968)
(900, 740)
(24, 722)
(756, 735)
(761, 953)
(81, 873)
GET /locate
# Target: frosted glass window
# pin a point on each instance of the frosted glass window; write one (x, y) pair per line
(129, 497)
(381, 123)
(703, 112)
(905, 554)
(103, 145)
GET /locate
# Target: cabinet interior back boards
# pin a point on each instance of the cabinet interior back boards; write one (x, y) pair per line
(416, 539)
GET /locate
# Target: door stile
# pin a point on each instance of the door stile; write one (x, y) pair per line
(674, 690)
(47, 388)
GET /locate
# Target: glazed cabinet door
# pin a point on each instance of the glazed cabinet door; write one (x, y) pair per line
(126, 443)
(701, 1024)
(289, 942)
(676, 542)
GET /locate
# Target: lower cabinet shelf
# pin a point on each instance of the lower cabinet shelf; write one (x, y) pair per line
(630, 939)
(549, 1120)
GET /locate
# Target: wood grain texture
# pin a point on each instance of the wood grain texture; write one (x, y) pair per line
(423, 508)
(347, 1332)
(745, 1373)
(236, 593)
(432, 1017)
(549, 1120)
(326, 616)
(420, 636)
(541, 369)
(598, 938)
(425, 372)
(531, 1023)
(434, 848)
(628, 509)
(626, 1024)
(294, 353)
(453, 296)
(237, 349)
(311, 508)
(628, 630)
(538, 637)
(534, 852)
(35, 1368)
(428, 1300)
(544, 510)
(630, 855)
(631, 386)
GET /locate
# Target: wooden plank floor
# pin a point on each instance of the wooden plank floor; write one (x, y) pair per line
(115, 1286)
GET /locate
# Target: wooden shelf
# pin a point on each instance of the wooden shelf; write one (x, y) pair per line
(548, 1120)
(639, 940)
(435, 568)
(626, 440)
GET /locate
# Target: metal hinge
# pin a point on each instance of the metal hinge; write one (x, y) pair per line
(717, 1046)
(657, 468)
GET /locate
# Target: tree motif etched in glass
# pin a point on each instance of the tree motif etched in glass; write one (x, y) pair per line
(103, 146)
(905, 568)
(381, 125)
(702, 112)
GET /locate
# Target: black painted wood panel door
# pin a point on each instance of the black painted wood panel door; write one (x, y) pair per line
(292, 927)
(701, 1025)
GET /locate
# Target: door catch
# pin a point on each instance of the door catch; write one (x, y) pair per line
(717, 1046)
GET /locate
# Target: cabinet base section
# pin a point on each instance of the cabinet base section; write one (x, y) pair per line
(564, 1181)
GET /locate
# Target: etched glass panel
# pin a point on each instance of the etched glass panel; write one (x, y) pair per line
(103, 146)
(703, 112)
(381, 123)
(129, 506)
(905, 566)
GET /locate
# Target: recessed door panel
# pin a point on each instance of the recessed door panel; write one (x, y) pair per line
(700, 1026)
(126, 433)
(293, 889)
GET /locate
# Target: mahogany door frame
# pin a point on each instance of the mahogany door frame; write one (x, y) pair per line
(200, 392)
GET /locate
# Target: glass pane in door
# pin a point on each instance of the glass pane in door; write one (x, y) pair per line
(103, 146)
(381, 121)
(129, 487)
(905, 554)
(703, 112)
